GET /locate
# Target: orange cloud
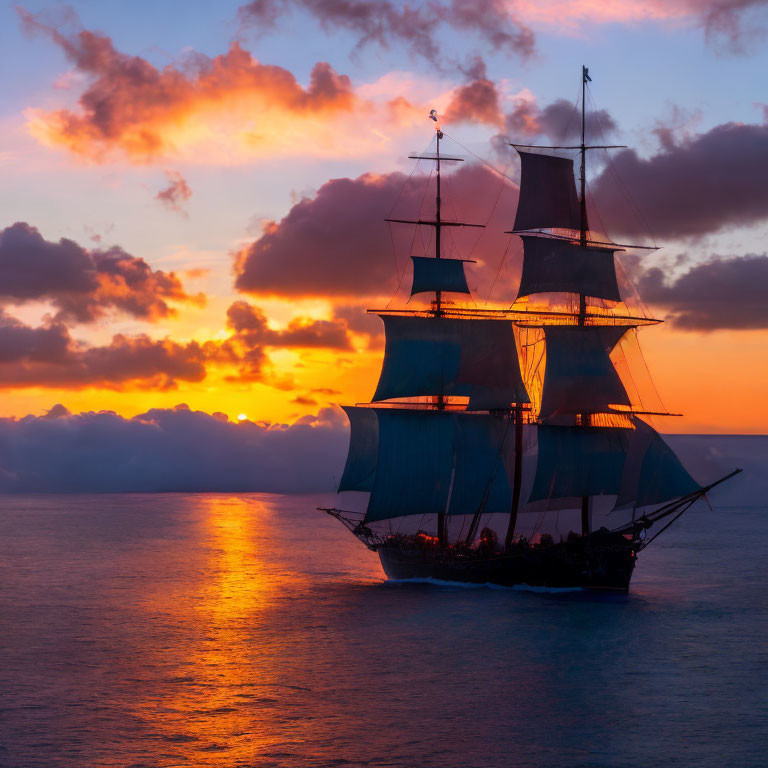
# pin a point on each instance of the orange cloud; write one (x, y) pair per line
(131, 108)
(477, 101)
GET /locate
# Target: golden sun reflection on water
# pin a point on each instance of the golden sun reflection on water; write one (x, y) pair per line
(221, 704)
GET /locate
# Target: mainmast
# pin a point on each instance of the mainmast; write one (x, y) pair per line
(584, 418)
(579, 379)
(583, 148)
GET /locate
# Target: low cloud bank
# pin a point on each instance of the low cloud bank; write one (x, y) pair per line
(169, 450)
(189, 451)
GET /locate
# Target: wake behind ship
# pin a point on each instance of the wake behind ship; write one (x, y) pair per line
(484, 417)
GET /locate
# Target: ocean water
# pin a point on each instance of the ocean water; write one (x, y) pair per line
(213, 630)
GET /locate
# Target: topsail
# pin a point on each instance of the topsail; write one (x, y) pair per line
(548, 196)
(579, 376)
(438, 275)
(560, 266)
(451, 357)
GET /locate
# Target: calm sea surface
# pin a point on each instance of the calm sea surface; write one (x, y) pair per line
(212, 630)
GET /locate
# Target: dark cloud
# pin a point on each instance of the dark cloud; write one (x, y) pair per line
(696, 186)
(48, 344)
(359, 320)
(246, 348)
(337, 244)
(731, 26)
(325, 391)
(169, 450)
(47, 356)
(721, 293)
(476, 102)
(495, 22)
(385, 22)
(176, 193)
(83, 285)
(250, 325)
(304, 400)
(560, 121)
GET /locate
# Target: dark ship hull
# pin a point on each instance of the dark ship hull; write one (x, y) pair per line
(595, 562)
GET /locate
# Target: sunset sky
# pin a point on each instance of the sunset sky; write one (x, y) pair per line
(193, 194)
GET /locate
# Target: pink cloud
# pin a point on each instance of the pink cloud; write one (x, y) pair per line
(176, 193)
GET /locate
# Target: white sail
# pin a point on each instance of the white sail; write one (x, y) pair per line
(559, 266)
(547, 193)
(444, 356)
(579, 376)
(430, 274)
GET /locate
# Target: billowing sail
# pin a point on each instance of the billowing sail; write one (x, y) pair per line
(445, 356)
(559, 266)
(435, 461)
(579, 461)
(430, 274)
(360, 469)
(579, 376)
(483, 464)
(414, 463)
(547, 193)
(652, 473)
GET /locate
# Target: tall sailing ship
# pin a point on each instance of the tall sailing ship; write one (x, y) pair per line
(458, 444)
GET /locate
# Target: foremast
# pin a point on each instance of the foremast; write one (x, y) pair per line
(438, 428)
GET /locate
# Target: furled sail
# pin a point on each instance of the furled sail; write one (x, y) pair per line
(430, 274)
(652, 472)
(360, 469)
(547, 193)
(446, 356)
(579, 461)
(579, 376)
(414, 463)
(559, 266)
